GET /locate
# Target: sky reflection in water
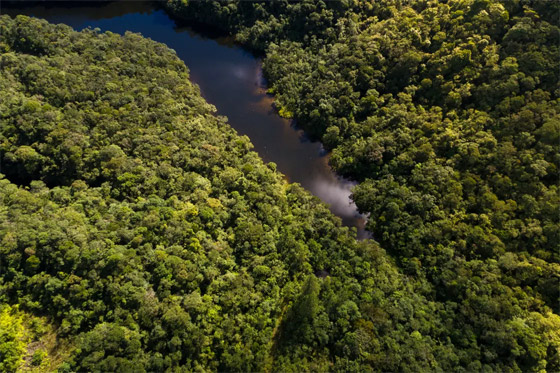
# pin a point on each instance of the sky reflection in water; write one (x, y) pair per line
(229, 78)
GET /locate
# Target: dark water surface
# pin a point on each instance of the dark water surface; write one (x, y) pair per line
(229, 78)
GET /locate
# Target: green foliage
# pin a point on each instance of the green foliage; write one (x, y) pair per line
(28, 343)
(12, 339)
(447, 113)
(148, 230)
(155, 239)
(38, 358)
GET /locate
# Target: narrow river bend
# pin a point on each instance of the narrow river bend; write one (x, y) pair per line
(230, 79)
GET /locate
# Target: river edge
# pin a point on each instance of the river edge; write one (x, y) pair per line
(317, 176)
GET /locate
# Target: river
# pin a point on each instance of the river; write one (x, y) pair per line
(229, 78)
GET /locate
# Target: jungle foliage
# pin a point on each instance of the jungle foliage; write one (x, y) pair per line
(447, 113)
(145, 229)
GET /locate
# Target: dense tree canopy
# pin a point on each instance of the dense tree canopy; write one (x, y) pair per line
(447, 113)
(146, 229)
(142, 226)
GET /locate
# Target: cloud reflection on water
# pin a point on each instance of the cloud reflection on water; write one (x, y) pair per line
(240, 72)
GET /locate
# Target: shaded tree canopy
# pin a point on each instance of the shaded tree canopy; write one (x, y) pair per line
(447, 114)
(145, 229)
(151, 235)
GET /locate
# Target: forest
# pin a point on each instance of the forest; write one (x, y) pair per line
(140, 232)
